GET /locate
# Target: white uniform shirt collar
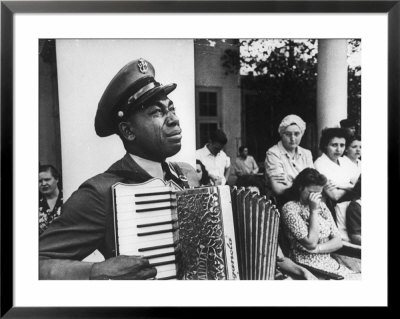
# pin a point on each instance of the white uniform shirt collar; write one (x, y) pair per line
(153, 168)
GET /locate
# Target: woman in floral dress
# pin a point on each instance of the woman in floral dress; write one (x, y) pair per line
(310, 228)
(50, 196)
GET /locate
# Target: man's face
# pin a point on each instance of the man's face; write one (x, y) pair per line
(47, 183)
(157, 131)
(215, 148)
(245, 152)
(351, 130)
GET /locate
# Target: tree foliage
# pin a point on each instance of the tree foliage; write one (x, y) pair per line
(281, 76)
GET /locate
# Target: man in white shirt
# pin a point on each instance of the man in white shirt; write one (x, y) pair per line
(216, 162)
(245, 164)
(246, 170)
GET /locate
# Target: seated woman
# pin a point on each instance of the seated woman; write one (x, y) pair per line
(294, 271)
(353, 215)
(331, 163)
(352, 156)
(50, 196)
(309, 225)
(202, 174)
(286, 159)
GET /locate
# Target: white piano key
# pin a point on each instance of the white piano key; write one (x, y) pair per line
(133, 232)
(150, 252)
(143, 209)
(165, 268)
(148, 218)
(153, 261)
(166, 274)
(134, 244)
(137, 252)
(132, 212)
(139, 200)
(159, 251)
(149, 229)
(146, 224)
(129, 244)
(157, 219)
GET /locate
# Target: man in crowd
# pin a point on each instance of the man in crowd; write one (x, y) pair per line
(216, 162)
(245, 164)
(350, 126)
(246, 169)
(137, 108)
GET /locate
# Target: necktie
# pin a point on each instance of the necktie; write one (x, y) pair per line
(168, 174)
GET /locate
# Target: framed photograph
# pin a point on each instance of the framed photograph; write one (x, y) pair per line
(64, 53)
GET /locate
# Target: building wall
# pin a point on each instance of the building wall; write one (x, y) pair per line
(209, 72)
(85, 67)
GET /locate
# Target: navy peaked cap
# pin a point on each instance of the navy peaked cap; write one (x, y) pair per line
(131, 87)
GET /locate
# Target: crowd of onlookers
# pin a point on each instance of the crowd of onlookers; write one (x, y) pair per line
(319, 201)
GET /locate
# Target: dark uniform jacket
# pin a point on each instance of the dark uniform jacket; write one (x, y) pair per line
(86, 223)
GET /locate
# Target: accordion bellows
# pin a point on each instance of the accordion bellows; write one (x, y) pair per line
(207, 233)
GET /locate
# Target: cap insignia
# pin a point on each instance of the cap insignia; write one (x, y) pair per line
(143, 66)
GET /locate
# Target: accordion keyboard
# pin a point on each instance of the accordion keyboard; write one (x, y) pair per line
(146, 225)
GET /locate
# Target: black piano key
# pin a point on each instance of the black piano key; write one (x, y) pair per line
(144, 210)
(153, 194)
(167, 278)
(156, 224)
(163, 263)
(159, 255)
(155, 247)
(156, 232)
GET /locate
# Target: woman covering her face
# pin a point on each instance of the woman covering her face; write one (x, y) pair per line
(309, 225)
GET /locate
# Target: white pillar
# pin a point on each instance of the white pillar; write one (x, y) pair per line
(331, 83)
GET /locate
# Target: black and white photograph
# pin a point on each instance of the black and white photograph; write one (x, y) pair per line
(200, 159)
(183, 159)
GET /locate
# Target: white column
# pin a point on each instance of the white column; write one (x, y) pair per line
(331, 83)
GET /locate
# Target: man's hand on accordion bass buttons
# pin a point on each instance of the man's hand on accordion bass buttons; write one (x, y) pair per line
(123, 268)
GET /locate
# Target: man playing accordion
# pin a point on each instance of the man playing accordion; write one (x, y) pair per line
(136, 108)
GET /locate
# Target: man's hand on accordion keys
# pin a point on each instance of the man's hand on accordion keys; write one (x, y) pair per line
(123, 268)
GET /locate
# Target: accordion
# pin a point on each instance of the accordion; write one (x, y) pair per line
(200, 233)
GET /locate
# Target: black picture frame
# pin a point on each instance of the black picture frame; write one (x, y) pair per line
(9, 8)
